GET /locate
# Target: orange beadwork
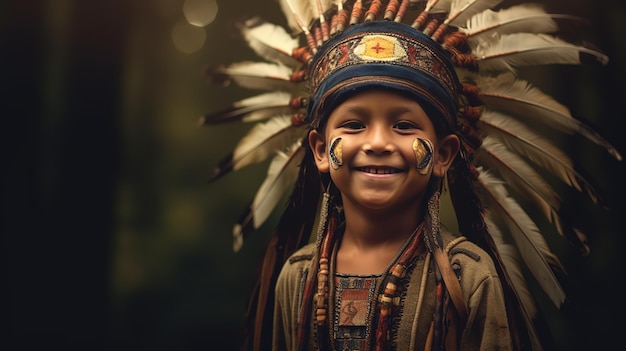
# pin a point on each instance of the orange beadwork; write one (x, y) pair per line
(473, 113)
(302, 54)
(357, 10)
(471, 92)
(298, 76)
(342, 19)
(298, 102)
(420, 20)
(431, 26)
(373, 11)
(467, 61)
(392, 8)
(457, 40)
(311, 42)
(297, 119)
(318, 36)
(438, 35)
(333, 25)
(325, 31)
(402, 11)
(322, 292)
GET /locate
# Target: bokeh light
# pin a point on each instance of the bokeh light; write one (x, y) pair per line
(200, 13)
(188, 38)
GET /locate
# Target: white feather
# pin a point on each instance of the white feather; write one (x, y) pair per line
(522, 177)
(529, 185)
(281, 176)
(301, 13)
(270, 41)
(526, 18)
(252, 109)
(440, 6)
(528, 239)
(528, 143)
(508, 52)
(511, 261)
(276, 99)
(461, 10)
(263, 139)
(258, 76)
(521, 99)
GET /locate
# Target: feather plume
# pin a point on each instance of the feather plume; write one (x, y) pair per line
(529, 184)
(301, 13)
(514, 50)
(511, 261)
(526, 18)
(256, 75)
(520, 176)
(281, 176)
(519, 98)
(252, 109)
(439, 6)
(461, 10)
(259, 143)
(270, 41)
(530, 242)
(528, 143)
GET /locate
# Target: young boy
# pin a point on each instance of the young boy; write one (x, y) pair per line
(384, 116)
(383, 189)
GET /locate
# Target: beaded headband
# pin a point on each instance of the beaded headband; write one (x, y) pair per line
(384, 54)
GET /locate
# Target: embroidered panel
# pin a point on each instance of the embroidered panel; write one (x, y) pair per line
(353, 322)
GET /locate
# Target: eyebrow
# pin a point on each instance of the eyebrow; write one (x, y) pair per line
(391, 111)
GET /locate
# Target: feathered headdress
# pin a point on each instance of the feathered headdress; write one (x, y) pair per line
(506, 124)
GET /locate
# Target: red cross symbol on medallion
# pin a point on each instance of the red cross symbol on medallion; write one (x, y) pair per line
(378, 48)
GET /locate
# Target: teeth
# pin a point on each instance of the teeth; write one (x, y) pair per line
(378, 170)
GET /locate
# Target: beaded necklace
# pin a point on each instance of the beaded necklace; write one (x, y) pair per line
(385, 301)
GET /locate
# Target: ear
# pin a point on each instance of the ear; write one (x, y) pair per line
(318, 146)
(448, 148)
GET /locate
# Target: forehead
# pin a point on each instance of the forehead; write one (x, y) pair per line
(380, 100)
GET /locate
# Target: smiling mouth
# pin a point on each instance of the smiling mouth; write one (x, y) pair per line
(379, 170)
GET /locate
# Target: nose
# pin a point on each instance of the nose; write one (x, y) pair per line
(378, 140)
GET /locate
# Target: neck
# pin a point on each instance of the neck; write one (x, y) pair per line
(371, 240)
(376, 228)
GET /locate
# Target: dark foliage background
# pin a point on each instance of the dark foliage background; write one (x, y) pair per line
(113, 240)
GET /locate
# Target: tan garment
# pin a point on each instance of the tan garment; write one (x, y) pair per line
(486, 327)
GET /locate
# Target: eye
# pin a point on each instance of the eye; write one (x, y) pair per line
(405, 125)
(354, 125)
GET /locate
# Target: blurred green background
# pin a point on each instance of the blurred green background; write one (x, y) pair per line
(112, 237)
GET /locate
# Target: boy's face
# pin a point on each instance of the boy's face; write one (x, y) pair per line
(368, 148)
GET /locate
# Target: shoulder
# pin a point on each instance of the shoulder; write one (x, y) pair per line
(297, 265)
(304, 254)
(470, 261)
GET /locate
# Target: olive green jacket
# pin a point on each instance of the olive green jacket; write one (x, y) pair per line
(486, 325)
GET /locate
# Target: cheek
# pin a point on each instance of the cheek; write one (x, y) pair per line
(335, 152)
(423, 150)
